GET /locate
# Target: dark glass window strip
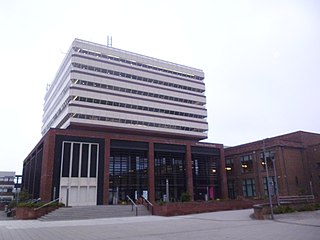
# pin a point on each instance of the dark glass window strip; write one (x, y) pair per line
(122, 60)
(75, 160)
(66, 159)
(57, 114)
(135, 77)
(137, 92)
(132, 106)
(93, 160)
(133, 122)
(84, 160)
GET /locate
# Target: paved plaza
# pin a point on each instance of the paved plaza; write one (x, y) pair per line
(217, 225)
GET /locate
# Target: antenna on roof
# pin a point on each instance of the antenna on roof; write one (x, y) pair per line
(109, 41)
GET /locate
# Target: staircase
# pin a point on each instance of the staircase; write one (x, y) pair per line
(92, 212)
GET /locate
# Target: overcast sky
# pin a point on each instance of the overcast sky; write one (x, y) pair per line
(261, 60)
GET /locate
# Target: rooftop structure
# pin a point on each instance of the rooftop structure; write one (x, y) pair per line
(108, 88)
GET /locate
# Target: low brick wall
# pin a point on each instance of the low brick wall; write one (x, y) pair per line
(261, 211)
(26, 213)
(183, 208)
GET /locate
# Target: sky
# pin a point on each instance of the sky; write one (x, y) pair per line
(261, 60)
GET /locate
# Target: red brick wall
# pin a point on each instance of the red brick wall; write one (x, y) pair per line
(296, 171)
(313, 155)
(47, 167)
(26, 213)
(173, 209)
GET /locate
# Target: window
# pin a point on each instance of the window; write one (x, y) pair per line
(84, 160)
(229, 166)
(267, 184)
(66, 159)
(79, 159)
(75, 160)
(269, 157)
(249, 187)
(246, 163)
(231, 189)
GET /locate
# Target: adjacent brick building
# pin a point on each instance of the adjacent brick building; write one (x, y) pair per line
(293, 162)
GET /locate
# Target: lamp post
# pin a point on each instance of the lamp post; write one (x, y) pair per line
(275, 178)
(269, 192)
(167, 190)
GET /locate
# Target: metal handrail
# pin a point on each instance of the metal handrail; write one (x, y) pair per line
(133, 204)
(44, 205)
(148, 204)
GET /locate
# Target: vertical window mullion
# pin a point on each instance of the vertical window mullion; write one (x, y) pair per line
(71, 159)
(80, 160)
(89, 161)
(97, 164)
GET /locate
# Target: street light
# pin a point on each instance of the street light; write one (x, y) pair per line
(275, 177)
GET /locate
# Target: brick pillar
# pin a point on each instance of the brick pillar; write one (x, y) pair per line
(223, 175)
(151, 187)
(47, 166)
(257, 169)
(189, 171)
(36, 154)
(106, 171)
(283, 186)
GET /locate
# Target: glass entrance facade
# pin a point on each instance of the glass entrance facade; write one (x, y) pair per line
(205, 173)
(170, 165)
(128, 174)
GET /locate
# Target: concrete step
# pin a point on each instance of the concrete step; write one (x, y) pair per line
(92, 212)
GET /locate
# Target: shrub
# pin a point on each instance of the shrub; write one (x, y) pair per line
(39, 204)
(12, 204)
(24, 195)
(160, 202)
(282, 209)
(185, 197)
(307, 207)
